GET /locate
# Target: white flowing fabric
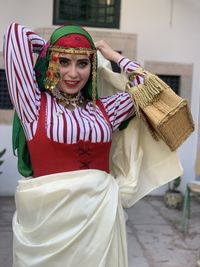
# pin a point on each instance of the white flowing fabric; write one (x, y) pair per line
(69, 219)
(141, 164)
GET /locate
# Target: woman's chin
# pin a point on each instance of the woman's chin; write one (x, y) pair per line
(70, 91)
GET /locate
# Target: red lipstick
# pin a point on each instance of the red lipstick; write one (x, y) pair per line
(71, 84)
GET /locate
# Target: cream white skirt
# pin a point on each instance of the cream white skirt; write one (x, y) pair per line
(69, 219)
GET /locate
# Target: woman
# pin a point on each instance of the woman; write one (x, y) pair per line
(70, 212)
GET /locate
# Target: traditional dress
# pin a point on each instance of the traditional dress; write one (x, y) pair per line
(71, 214)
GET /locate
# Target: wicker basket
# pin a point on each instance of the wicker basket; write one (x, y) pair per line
(167, 114)
(171, 118)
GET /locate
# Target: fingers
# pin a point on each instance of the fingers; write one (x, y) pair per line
(104, 48)
(107, 51)
(101, 44)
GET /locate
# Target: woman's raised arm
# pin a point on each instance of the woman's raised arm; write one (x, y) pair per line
(19, 45)
(124, 63)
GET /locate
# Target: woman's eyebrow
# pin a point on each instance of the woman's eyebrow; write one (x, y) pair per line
(65, 58)
(83, 59)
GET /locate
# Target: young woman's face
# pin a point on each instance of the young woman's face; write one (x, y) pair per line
(74, 71)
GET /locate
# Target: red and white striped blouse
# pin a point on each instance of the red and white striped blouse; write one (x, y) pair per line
(62, 125)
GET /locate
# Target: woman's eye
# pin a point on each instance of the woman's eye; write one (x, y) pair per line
(63, 61)
(83, 64)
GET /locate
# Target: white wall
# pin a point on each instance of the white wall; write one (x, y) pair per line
(162, 36)
(9, 176)
(33, 14)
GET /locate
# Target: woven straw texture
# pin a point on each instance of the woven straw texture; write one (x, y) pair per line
(167, 115)
(171, 118)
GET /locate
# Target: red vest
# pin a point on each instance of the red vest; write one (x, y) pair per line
(48, 156)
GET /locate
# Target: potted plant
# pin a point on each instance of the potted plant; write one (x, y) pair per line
(173, 197)
(1, 154)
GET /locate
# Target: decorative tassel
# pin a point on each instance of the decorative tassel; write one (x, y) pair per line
(146, 94)
(94, 78)
(52, 74)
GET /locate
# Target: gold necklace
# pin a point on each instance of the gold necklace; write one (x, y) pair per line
(69, 101)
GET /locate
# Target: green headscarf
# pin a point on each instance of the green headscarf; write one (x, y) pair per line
(41, 66)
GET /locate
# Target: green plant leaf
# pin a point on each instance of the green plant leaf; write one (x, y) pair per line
(2, 152)
(177, 182)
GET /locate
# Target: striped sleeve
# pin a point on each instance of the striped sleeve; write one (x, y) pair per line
(129, 66)
(19, 45)
(119, 107)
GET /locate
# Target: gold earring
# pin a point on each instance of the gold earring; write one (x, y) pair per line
(52, 73)
(94, 79)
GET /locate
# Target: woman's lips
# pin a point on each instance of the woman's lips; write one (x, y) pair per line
(71, 84)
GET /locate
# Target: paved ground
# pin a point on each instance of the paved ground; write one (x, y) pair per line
(154, 239)
(154, 236)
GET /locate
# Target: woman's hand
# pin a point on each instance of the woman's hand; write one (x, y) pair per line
(107, 51)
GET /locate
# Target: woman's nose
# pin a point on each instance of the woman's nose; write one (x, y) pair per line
(73, 71)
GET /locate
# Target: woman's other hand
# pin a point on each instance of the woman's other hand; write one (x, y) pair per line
(107, 51)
